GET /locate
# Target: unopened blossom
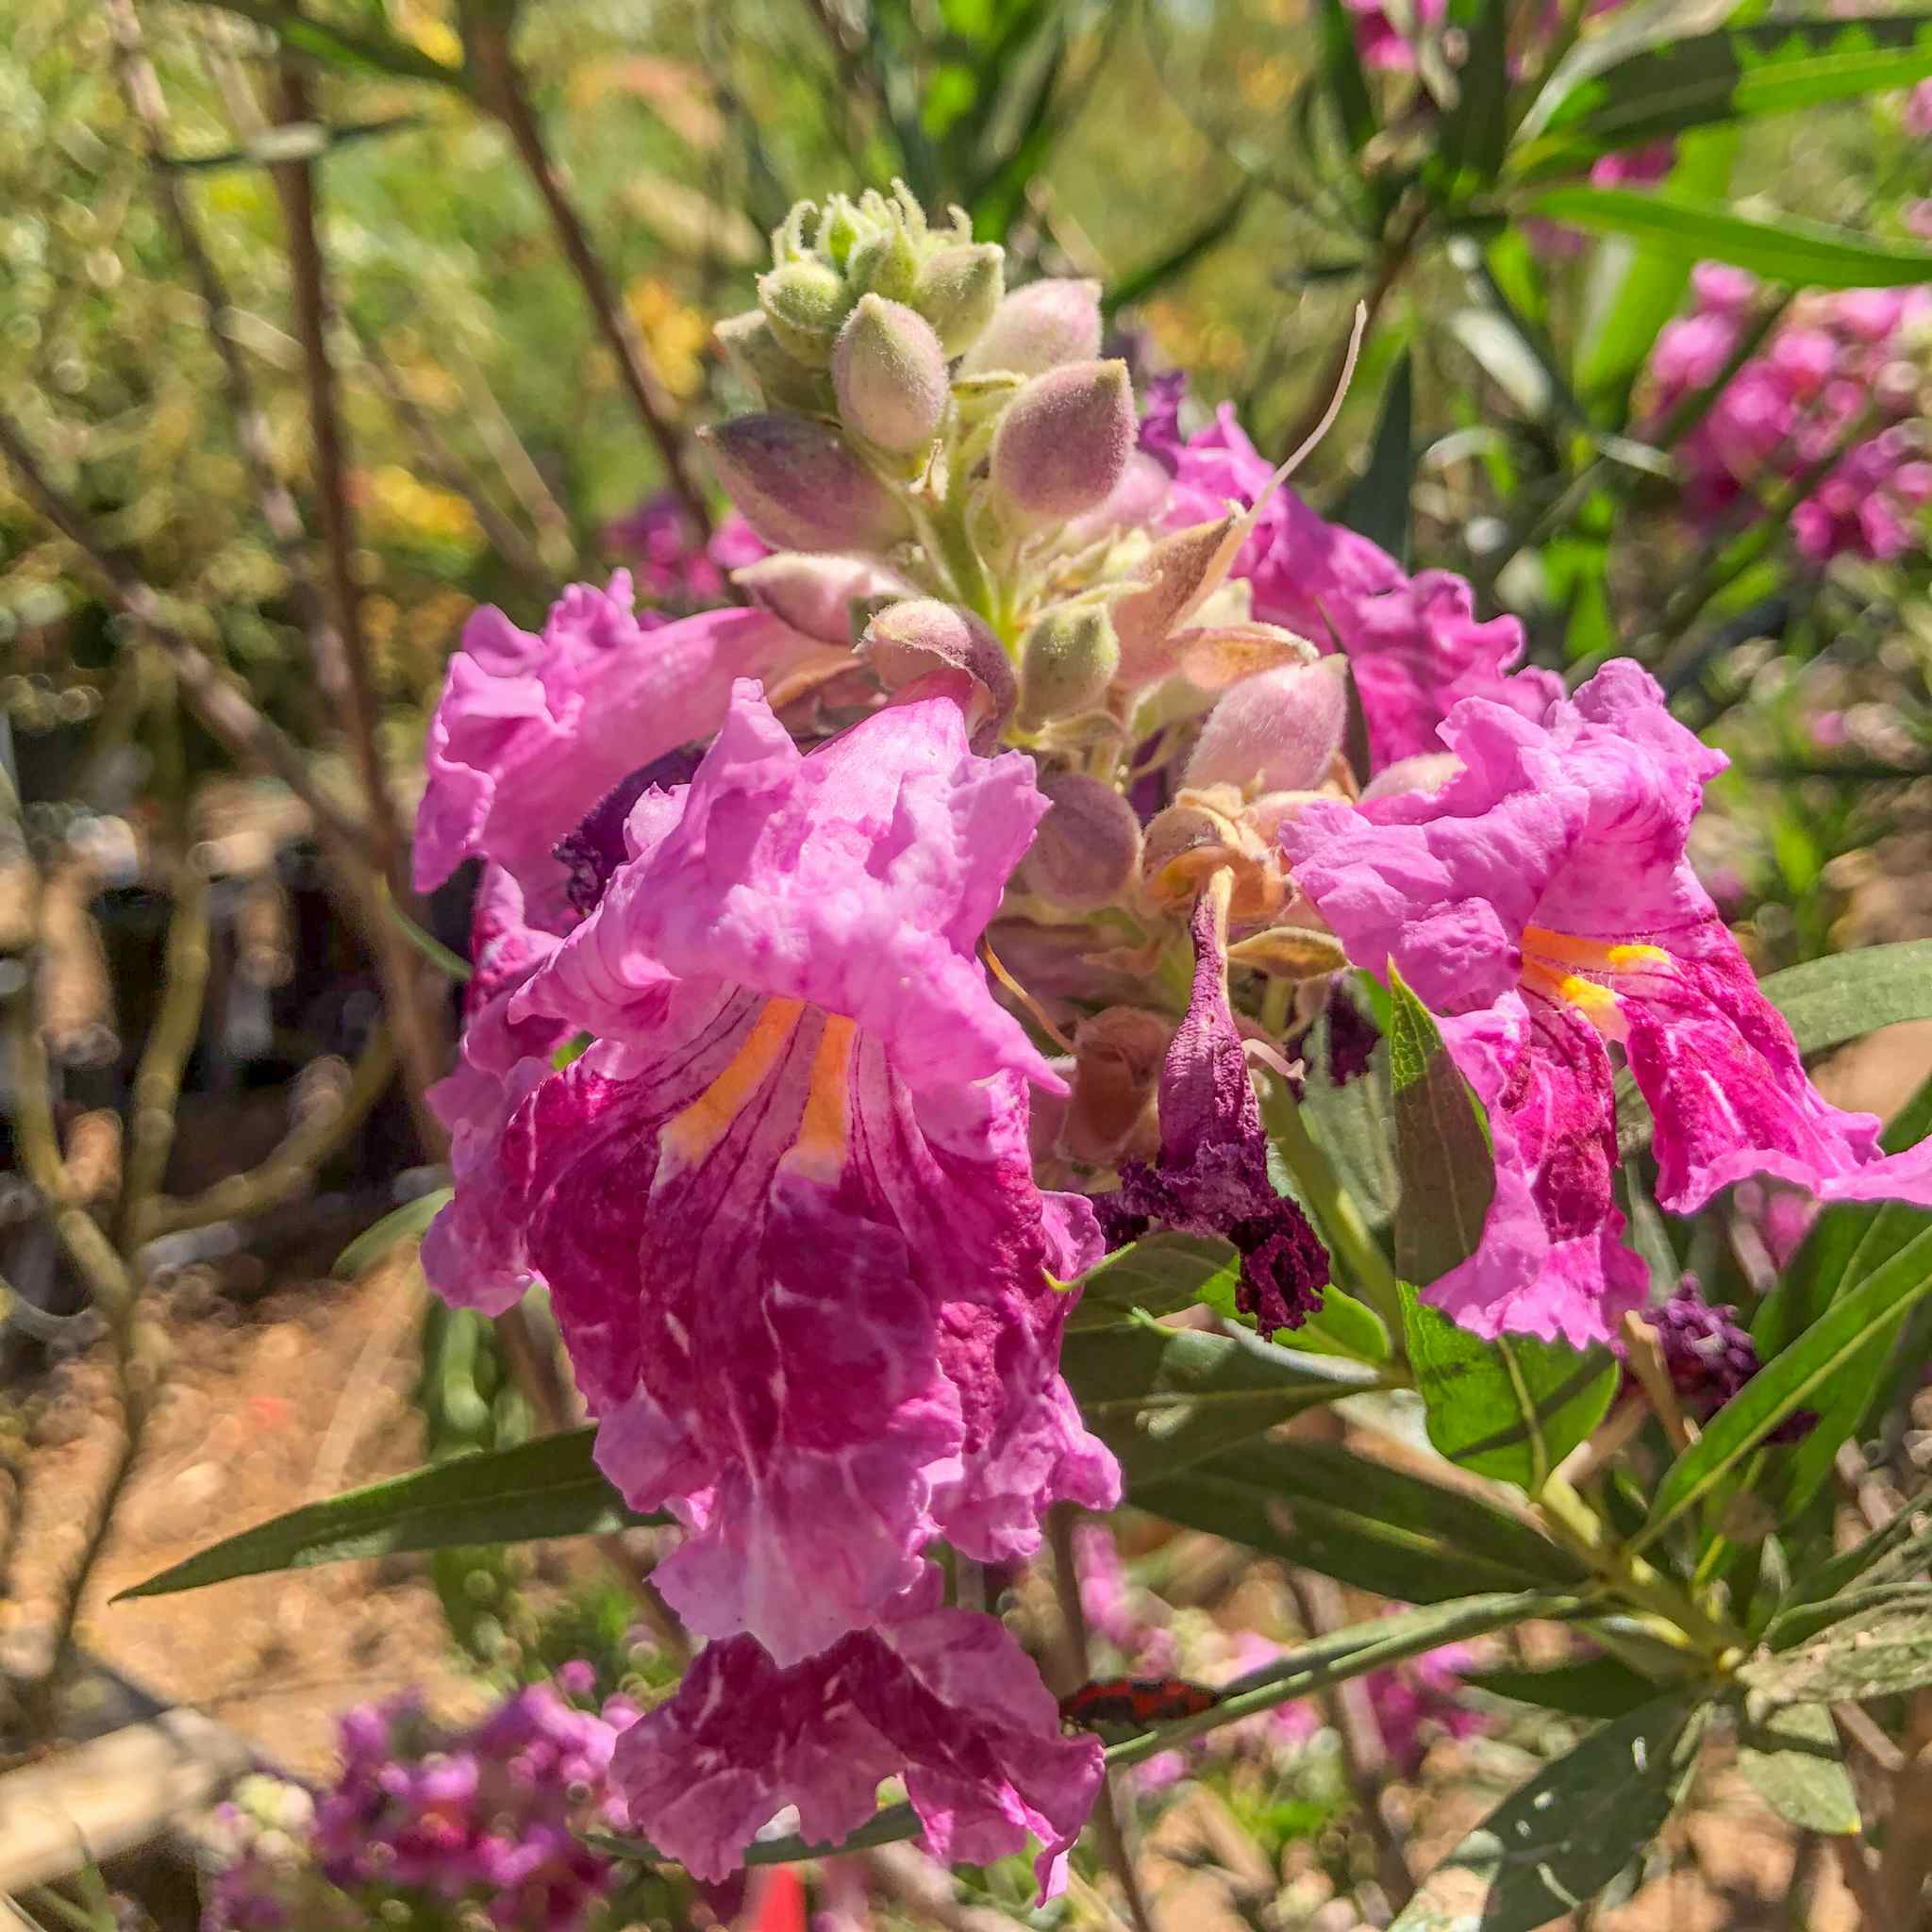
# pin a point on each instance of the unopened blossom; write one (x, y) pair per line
(784, 1206)
(531, 731)
(1413, 643)
(1211, 1176)
(1541, 903)
(1828, 397)
(941, 1698)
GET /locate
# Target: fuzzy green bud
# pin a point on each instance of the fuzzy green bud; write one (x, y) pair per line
(751, 346)
(959, 289)
(889, 375)
(885, 264)
(806, 302)
(801, 488)
(1064, 441)
(1038, 328)
(1067, 659)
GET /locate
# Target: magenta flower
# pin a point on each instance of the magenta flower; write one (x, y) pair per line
(531, 731)
(1414, 644)
(1541, 903)
(1211, 1177)
(941, 1698)
(785, 1206)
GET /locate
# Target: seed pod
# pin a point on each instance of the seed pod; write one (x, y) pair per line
(816, 594)
(1038, 328)
(799, 487)
(1064, 441)
(1276, 732)
(889, 375)
(1087, 847)
(957, 290)
(806, 302)
(1067, 660)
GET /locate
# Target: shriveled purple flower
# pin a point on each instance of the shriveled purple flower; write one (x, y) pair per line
(1211, 1177)
(941, 1698)
(1542, 904)
(1414, 644)
(531, 731)
(1710, 1355)
(785, 1206)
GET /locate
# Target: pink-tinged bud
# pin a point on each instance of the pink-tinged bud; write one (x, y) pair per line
(959, 289)
(1118, 1055)
(1426, 772)
(806, 302)
(1289, 951)
(1038, 328)
(1216, 657)
(799, 487)
(889, 375)
(1087, 847)
(1064, 441)
(817, 594)
(1134, 503)
(751, 346)
(1067, 660)
(1278, 732)
(908, 640)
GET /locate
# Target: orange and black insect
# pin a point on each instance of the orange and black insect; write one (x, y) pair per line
(1136, 1701)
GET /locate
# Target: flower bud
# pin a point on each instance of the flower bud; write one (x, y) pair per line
(1426, 772)
(1064, 441)
(1038, 328)
(750, 345)
(1088, 846)
(889, 375)
(885, 264)
(1289, 951)
(908, 639)
(957, 290)
(806, 302)
(1136, 502)
(814, 593)
(1067, 660)
(1277, 732)
(1118, 1057)
(799, 487)
(1214, 658)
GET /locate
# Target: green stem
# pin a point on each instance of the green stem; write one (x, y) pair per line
(1333, 1207)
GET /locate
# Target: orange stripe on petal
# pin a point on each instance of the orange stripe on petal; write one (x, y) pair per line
(692, 1135)
(824, 1132)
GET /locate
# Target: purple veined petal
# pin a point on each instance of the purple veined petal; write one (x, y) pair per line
(532, 731)
(785, 1204)
(941, 1698)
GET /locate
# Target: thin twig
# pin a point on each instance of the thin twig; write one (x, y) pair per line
(507, 97)
(912, 1880)
(170, 1041)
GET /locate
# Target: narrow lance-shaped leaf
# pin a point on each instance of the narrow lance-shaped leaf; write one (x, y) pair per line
(1157, 1275)
(1556, 1842)
(1793, 1761)
(1877, 1655)
(548, 1487)
(1377, 503)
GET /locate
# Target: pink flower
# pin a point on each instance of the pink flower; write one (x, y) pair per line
(941, 1698)
(784, 1206)
(531, 731)
(1414, 644)
(1541, 903)
(1381, 43)
(675, 569)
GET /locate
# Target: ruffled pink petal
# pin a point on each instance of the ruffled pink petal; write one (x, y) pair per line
(531, 731)
(941, 1698)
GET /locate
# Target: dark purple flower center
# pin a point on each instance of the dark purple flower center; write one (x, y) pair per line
(597, 848)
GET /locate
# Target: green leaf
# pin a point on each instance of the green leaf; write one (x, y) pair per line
(1354, 1124)
(1798, 1623)
(1899, 1548)
(1791, 249)
(1556, 1842)
(1731, 75)
(1792, 1380)
(1878, 1654)
(1512, 1408)
(1476, 131)
(1341, 1325)
(1138, 283)
(1596, 1687)
(888, 1825)
(1163, 1398)
(399, 1224)
(1359, 1522)
(1157, 1275)
(379, 52)
(290, 141)
(1377, 503)
(1793, 1761)
(1442, 1146)
(1342, 67)
(548, 1487)
(1846, 995)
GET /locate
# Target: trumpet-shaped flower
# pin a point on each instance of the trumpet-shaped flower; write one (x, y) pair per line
(531, 731)
(1414, 644)
(784, 1206)
(941, 1698)
(1541, 901)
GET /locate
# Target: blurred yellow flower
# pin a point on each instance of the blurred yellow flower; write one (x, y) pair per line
(674, 332)
(402, 505)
